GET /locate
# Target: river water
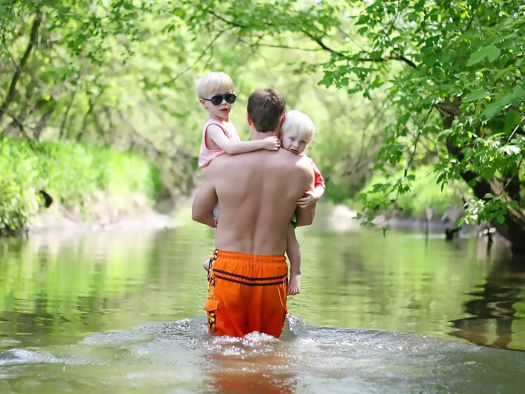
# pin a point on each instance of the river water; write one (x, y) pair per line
(121, 312)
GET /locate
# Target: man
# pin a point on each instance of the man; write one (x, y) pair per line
(257, 193)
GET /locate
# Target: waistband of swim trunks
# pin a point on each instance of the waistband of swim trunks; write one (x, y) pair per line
(246, 257)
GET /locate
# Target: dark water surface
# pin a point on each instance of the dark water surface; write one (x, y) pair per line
(122, 312)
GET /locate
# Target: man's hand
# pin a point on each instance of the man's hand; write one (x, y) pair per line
(307, 200)
(271, 143)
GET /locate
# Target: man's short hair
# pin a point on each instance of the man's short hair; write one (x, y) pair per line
(213, 83)
(265, 108)
(298, 123)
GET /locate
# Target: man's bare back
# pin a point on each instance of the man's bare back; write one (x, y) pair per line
(257, 194)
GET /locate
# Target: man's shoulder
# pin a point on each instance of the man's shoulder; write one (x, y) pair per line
(305, 163)
(298, 164)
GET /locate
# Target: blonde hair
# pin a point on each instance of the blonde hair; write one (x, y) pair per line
(213, 82)
(299, 123)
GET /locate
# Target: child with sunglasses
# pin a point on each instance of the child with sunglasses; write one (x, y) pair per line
(219, 136)
(297, 132)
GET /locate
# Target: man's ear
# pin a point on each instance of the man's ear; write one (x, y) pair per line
(250, 121)
(280, 124)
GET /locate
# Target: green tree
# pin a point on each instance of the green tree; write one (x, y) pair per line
(451, 70)
(78, 71)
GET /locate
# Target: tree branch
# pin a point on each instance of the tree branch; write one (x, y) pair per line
(474, 9)
(344, 55)
(204, 52)
(412, 155)
(16, 76)
(228, 22)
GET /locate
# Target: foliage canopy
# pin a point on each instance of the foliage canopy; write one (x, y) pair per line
(453, 71)
(447, 75)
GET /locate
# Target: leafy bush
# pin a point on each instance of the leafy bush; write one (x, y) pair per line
(19, 201)
(425, 193)
(69, 172)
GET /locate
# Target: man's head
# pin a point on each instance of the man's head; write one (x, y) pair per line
(297, 132)
(215, 92)
(265, 110)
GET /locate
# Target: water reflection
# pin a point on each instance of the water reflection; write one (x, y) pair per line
(493, 306)
(252, 371)
(55, 289)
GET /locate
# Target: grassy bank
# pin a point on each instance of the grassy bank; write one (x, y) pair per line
(68, 172)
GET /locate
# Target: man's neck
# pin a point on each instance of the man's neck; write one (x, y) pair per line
(256, 135)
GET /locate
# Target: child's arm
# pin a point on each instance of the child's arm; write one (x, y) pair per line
(235, 147)
(311, 197)
(293, 251)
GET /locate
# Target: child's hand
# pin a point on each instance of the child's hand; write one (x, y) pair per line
(307, 200)
(271, 143)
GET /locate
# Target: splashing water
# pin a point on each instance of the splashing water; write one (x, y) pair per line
(181, 357)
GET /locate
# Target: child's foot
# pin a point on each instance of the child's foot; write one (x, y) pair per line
(294, 287)
(207, 264)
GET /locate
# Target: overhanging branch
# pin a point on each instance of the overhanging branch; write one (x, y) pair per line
(344, 55)
(33, 38)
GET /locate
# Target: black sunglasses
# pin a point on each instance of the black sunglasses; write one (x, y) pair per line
(217, 99)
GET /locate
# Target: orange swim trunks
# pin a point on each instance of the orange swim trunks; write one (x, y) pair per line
(246, 293)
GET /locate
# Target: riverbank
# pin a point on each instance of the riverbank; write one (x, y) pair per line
(341, 218)
(103, 212)
(65, 185)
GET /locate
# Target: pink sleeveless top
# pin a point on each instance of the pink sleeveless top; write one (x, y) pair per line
(207, 155)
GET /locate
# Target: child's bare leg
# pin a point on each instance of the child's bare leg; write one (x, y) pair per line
(294, 287)
(294, 255)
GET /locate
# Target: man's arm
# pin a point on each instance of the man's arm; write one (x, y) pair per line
(305, 216)
(305, 213)
(204, 202)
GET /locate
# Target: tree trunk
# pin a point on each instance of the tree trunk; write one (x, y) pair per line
(63, 124)
(513, 228)
(42, 122)
(85, 119)
(33, 38)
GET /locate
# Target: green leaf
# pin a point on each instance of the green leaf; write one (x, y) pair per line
(490, 110)
(475, 95)
(476, 57)
(493, 108)
(490, 52)
(514, 204)
(493, 52)
(511, 120)
(362, 30)
(519, 92)
(500, 218)
(488, 172)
